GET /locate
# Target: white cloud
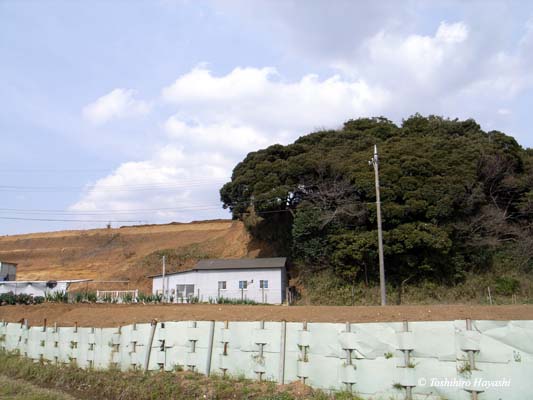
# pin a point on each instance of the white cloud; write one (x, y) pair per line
(503, 75)
(419, 63)
(173, 184)
(321, 30)
(224, 135)
(452, 33)
(260, 99)
(453, 71)
(218, 120)
(200, 86)
(118, 103)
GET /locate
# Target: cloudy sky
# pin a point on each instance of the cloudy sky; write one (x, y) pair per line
(137, 111)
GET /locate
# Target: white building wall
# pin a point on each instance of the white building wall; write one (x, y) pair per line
(206, 284)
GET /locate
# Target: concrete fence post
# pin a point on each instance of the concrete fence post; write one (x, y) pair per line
(282, 352)
(407, 361)
(474, 392)
(149, 348)
(210, 348)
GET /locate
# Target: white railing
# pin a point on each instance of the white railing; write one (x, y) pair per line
(116, 295)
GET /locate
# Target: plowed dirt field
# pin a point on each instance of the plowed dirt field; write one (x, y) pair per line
(110, 315)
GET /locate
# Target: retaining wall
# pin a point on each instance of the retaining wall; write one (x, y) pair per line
(420, 360)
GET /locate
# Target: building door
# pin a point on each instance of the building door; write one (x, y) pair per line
(184, 293)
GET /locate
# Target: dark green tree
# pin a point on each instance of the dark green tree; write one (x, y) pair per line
(451, 194)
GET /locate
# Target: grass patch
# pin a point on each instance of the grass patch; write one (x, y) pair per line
(464, 368)
(183, 385)
(20, 390)
(176, 256)
(325, 288)
(225, 300)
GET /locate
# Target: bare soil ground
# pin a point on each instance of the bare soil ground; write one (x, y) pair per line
(110, 315)
(124, 253)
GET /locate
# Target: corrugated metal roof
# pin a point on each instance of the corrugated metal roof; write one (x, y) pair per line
(241, 263)
(36, 282)
(238, 263)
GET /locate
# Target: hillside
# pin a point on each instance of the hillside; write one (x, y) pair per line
(127, 253)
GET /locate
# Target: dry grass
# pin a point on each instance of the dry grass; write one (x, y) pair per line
(325, 289)
(16, 389)
(114, 384)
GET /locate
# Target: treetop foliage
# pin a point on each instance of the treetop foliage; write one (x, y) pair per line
(451, 196)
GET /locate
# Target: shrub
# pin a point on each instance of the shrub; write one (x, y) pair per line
(141, 298)
(10, 299)
(149, 298)
(505, 285)
(84, 297)
(225, 300)
(107, 298)
(57, 297)
(7, 299)
(91, 297)
(78, 297)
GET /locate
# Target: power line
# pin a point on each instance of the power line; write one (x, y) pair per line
(141, 210)
(20, 214)
(199, 207)
(110, 211)
(116, 212)
(67, 220)
(109, 188)
(181, 181)
(65, 170)
(138, 221)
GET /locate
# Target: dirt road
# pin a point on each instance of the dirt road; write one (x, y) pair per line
(109, 315)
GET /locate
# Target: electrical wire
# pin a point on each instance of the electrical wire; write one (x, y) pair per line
(110, 188)
(67, 170)
(54, 215)
(67, 220)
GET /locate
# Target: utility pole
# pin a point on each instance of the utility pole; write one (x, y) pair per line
(163, 281)
(375, 163)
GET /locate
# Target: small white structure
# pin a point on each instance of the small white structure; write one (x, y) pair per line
(259, 279)
(117, 296)
(37, 288)
(8, 271)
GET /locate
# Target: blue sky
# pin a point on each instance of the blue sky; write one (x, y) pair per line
(138, 110)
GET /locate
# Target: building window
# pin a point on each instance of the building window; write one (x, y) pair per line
(263, 284)
(243, 284)
(222, 285)
(184, 291)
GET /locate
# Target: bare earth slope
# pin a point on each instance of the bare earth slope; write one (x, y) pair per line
(123, 253)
